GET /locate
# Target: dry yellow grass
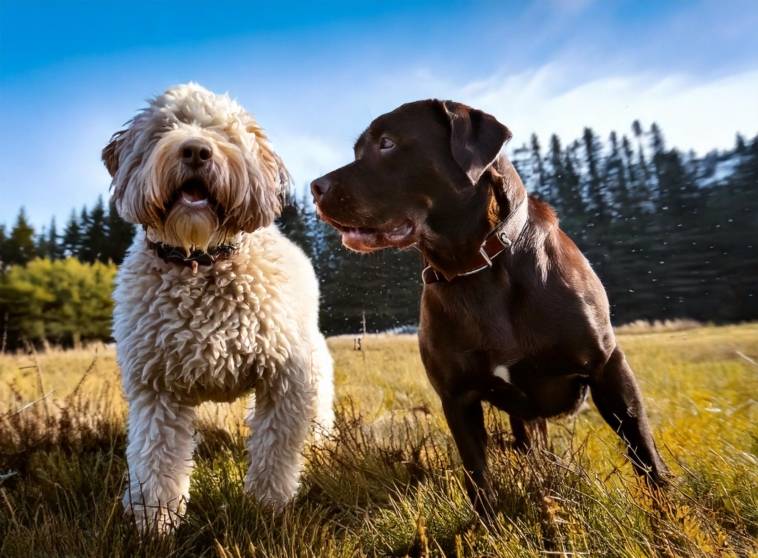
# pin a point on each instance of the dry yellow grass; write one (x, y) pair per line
(389, 482)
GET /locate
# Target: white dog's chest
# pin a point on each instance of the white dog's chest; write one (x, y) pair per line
(203, 336)
(209, 331)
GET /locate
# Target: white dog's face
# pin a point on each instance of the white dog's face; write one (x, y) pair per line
(195, 169)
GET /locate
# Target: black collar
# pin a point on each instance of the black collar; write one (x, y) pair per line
(174, 254)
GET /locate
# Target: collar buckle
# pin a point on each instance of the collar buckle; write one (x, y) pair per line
(504, 240)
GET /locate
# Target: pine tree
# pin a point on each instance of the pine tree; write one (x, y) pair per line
(72, 237)
(573, 213)
(95, 245)
(3, 241)
(739, 144)
(293, 223)
(20, 247)
(48, 243)
(53, 244)
(521, 159)
(120, 235)
(675, 184)
(627, 156)
(83, 227)
(539, 182)
(644, 187)
(556, 175)
(594, 185)
(615, 178)
(40, 244)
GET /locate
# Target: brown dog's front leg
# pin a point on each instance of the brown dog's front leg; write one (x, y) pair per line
(466, 421)
(507, 397)
(617, 397)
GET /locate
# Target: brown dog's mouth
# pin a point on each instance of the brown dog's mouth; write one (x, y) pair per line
(368, 239)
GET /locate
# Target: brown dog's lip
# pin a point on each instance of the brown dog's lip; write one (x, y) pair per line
(369, 239)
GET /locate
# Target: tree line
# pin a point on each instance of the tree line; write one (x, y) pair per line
(671, 234)
(90, 235)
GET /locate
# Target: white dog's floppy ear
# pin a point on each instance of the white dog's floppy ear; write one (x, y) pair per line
(112, 151)
(285, 183)
(476, 138)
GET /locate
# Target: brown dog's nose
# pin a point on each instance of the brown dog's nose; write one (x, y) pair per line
(195, 153)
(319, 187)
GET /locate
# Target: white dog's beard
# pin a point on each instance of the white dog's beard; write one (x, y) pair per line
(190, 228)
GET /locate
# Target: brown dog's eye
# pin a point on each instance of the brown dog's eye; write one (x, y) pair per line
(385, 144)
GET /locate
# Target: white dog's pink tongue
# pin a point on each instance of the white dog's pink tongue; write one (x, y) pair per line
(193, 200)
(194, 196)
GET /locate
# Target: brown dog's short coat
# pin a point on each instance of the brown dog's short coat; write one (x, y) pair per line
(530, 333)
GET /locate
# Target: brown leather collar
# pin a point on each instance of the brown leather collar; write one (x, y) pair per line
(499, 239)
(174, 254)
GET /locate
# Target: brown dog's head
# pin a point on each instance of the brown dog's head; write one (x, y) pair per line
(415, 168)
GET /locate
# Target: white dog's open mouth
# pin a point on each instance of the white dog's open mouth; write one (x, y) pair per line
(194, 193)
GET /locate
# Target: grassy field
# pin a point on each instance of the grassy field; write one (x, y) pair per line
(389, 483)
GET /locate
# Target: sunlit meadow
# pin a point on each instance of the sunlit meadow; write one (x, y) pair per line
(389, 482)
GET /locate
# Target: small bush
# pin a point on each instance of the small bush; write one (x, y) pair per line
(64, 302)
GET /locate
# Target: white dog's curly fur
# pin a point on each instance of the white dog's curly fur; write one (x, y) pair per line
(186, 335)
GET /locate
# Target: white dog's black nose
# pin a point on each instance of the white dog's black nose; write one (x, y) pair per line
(196, 152)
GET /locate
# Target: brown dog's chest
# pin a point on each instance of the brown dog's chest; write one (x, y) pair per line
(465, 362)
(472, 315)
(470, 330)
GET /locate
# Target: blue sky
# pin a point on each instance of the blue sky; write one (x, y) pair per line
(315, 73)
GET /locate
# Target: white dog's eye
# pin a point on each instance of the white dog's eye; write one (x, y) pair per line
(385, 144)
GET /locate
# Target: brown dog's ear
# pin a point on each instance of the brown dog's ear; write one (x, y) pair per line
(110, 154)
(475, 138)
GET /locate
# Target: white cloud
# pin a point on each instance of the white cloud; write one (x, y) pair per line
(693, 113)
(570, 5)
(54, 165)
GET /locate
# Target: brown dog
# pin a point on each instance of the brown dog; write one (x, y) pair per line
(511, 311)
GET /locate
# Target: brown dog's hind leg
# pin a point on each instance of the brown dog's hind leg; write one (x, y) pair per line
(528, 434)
(617, 397)
(466, 421)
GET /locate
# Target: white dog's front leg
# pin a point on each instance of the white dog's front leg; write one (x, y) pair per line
(323, 375)
(279, 422)
(159, 454)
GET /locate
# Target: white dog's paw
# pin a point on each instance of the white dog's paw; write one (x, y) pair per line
(323, 426)
(159, 519)
(273, 493)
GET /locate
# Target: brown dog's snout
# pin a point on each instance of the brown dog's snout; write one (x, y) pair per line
(195, 153)
(320, 186)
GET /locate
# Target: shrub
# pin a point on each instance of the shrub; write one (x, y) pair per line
(65, 302)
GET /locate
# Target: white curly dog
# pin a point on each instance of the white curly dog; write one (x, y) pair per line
(212, 301)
